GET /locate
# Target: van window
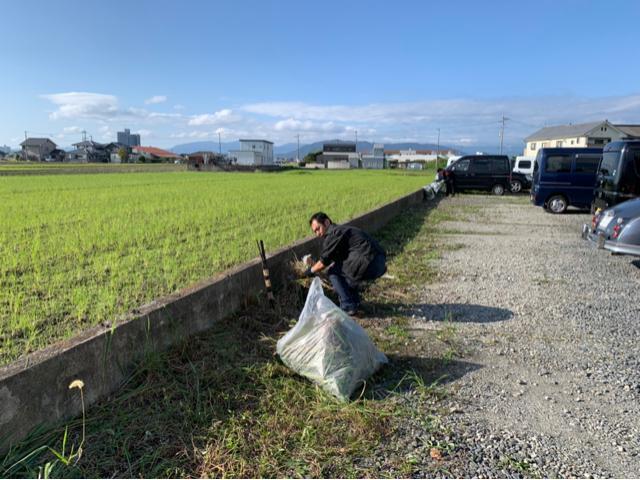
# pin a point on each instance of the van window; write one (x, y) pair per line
(609, 165)
(559, 163)
(461, 165)
(500, 165)
(524, 164)
(587, 164)
(481, 165)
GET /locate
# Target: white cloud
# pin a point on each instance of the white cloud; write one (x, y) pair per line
(462, 121)
(156, 99)
(177, 106)
(223, 116)
(101, 107)
(83, 105)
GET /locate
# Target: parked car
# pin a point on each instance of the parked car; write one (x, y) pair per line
(564, 177)
(618, 177)
(486, 172)
(616, 229)
(524, 165)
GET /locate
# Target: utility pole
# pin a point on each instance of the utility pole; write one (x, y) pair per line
(502, 133)
(438, 150)
(356, 141)
(219, 144)
(298, 155)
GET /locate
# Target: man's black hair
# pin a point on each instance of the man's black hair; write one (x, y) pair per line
(319, 217)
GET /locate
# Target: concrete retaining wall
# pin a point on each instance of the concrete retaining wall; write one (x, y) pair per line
(34, 390)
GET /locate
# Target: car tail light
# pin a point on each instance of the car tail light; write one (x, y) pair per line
(617, 228)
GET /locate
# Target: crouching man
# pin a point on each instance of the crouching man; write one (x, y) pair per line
(352, 257)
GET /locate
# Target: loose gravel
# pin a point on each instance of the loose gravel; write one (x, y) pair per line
(550, 328)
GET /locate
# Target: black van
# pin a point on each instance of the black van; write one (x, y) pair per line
(619, 174)
(486, 172)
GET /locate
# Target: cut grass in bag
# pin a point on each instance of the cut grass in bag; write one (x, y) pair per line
(328, 347)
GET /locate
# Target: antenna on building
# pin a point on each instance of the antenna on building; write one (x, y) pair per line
(84, 135)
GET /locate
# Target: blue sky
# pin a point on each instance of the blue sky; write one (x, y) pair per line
(394, 71)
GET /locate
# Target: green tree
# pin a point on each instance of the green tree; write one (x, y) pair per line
(311, 157)
(123, 154)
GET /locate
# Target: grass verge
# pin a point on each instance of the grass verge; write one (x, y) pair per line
(222, 405)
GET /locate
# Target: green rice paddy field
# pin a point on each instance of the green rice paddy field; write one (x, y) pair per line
(80, 249)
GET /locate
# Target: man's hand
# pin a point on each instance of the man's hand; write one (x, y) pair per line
(308, 273)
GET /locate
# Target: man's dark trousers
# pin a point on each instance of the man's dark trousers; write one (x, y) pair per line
(347, 288)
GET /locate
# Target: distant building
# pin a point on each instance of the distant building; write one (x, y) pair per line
(340, 155)
(129, 139)
(37, 149)
(592, 134)
(253, 152)
(89, 151)
(206, 158)
(415, 159)
(155, 154)
(114, 149)
(375, 159)
(5, 149)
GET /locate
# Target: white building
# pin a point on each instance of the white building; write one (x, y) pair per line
(414, 159)
(375, 159)
(593, 134)
(253, 152)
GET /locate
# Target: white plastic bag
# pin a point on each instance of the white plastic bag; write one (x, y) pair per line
(328, 347)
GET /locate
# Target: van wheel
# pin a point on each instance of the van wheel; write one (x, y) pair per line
(557, 204)
(516, 186)
(497, 189)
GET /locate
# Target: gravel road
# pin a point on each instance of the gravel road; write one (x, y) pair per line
(551, 326)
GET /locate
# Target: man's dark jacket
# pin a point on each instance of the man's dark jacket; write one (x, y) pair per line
(351, 248)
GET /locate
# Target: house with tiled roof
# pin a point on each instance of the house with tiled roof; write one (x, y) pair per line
(592, 134)
(154, 154)
(37, 149)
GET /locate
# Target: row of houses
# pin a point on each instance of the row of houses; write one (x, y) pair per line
(342, 155)
(339, 155)
(88, 151)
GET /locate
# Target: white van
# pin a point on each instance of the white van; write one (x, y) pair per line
(524, 165)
